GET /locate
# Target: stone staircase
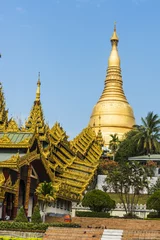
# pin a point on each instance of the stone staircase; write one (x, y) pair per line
(112, 234)
(93, 228)
(53, 233)
(141, 235)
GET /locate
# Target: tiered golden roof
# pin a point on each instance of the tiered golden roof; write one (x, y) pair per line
(113, 108)
(71, 166)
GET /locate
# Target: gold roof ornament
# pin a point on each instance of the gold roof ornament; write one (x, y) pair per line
(113, 109)
(12, 126)
(3, 111)
(38, 93)
(36, 120)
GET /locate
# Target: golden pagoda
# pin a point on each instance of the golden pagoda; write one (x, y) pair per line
(112, 109)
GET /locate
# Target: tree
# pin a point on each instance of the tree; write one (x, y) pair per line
(98, 201)
(21, 216)
(128, 180)
(147, 135)
(114, 144)
(105, 165)
(153, 202)
(155, 187)
(46, 193)
(128, 147)
(36, 217)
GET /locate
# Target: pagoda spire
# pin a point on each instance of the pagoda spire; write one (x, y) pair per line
(36, 120)
(38, 93)
(113, 88)
(113, 108)
(3, 111)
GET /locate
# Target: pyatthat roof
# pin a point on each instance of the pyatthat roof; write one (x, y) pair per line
(153, 157)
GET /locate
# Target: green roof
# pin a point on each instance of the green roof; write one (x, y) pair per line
(17, 137)
(153, 157)
(6, 156)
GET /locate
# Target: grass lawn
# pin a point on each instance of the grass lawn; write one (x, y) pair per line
(142, 198)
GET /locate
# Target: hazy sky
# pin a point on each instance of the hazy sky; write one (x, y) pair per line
(68, 41)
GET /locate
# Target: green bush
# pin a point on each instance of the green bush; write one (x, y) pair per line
(153, 202)
(131, 216)
(98, 201)
(31, 227)
(36, 217)
(17, 238)
(153, 215)
(93, 214)
(21, 216)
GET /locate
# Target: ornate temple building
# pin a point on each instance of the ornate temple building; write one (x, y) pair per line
(112, 113)
(36, 153)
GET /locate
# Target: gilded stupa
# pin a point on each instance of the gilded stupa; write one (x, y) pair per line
(112, 113)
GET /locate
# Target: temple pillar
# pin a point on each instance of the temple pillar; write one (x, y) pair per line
(27, 190)
(16, 198)
(4, 209)
(9, 207)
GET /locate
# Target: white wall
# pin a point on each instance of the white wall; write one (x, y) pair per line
(101, 180)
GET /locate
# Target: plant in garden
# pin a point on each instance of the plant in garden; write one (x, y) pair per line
(128, 180)
(46, 193)
(114, 144)
(98, 201)
(21, 216)
(105, 165)
(36, 217)
(153, 202)
(155, 187)
(147, 135)
(127, 147)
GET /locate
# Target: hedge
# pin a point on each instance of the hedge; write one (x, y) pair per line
(93, 214)
(17, 238)
(153, 215)
(41, 227)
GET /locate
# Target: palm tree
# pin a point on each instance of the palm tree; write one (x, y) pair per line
(114, 144)
(147, 135)
(46, 193)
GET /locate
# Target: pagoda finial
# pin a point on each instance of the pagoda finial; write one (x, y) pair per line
(38, 89)
(114, 37)
(114, 59)
(114, 26)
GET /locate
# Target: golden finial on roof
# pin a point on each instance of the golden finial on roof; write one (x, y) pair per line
(114, 36)
(38, 89)
(114, 59)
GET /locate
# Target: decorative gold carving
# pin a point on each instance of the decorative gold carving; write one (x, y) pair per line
(12, 126)
(2, 178)
(8, 182)
(5, 139)
(28, 187)
(16, 187)
(25, 141)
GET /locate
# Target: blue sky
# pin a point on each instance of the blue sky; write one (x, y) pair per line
(68, 41)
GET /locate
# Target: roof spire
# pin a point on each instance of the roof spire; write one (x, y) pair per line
(114, 59)
(114, 37)
(38, 93)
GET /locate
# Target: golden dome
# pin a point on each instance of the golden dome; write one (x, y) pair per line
(112, 109)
